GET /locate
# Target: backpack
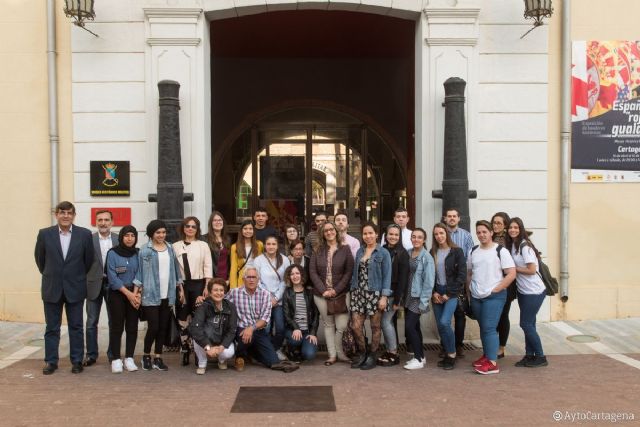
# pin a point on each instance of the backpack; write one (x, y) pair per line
(550, 282)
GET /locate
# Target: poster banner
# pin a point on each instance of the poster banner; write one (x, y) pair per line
(605, 128)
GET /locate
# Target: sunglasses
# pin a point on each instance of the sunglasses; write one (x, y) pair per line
(195, 227)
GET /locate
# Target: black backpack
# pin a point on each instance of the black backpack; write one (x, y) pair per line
(550, 282)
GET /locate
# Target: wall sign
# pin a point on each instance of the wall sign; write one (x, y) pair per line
(605, 128)
(110, 178)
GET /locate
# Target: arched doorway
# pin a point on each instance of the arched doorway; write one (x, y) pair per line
(301, 160)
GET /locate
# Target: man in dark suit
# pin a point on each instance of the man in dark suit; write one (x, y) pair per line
(103, 240)
(64, 255)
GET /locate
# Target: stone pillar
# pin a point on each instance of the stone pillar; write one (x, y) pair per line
(455, 184)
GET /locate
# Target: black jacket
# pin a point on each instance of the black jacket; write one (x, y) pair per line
(399, 272)
(455, 267)
(212, 327)
(289, 308)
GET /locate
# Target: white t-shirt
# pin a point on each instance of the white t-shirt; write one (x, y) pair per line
(529, 284)
(486, 269)
(164, 269)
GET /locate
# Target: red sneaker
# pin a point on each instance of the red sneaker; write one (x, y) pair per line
(480, 361)
(488, 368)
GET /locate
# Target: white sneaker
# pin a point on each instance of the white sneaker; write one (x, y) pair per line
(201, 371)
(222, 365)
(414, 364)
(281, 355)
(116, 366)
(130, 365)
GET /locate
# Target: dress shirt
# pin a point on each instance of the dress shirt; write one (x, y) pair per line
(65, 240)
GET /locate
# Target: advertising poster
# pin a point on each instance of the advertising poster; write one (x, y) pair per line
(605, 128)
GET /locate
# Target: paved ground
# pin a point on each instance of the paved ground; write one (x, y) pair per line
(587, 382)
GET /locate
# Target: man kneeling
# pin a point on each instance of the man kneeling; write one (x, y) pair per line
(213, 327)
(254, 313)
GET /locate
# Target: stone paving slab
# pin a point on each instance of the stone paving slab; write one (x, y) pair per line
(382, 396)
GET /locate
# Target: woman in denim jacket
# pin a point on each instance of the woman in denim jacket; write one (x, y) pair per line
(370, 289)
(158, 276)
(421, 279)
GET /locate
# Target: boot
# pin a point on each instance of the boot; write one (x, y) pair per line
(370, 361)
(359, 360)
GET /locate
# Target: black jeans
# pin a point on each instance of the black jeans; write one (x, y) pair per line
(461, 323)
(158, 317)
(192, 290)
(123, 317)
(413, 333)
(504, 325)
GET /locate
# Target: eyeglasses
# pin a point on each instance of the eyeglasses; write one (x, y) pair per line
(217, 220)
(251, 277)
(66, 213)
(330, 230)
(195, 227)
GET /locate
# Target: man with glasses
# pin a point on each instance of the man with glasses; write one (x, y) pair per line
(64, 255)
(311, 239)
(253, 305)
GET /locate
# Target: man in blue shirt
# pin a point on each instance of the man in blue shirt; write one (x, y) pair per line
(463, 239)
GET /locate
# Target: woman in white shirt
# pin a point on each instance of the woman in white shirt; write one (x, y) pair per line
(531, 291)
(489, 273)
(271, 265)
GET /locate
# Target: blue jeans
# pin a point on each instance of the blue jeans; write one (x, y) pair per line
(276, 327)
(53, 319)
(443, 314)
(260, 347)
(388, 329)
(487, 311)
(91, 329)
(529, 307)
(307, 349)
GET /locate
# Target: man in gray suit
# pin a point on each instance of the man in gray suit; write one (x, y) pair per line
(97, 290)
(64, 255)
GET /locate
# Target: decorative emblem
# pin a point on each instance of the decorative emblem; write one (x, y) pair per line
(110, 179)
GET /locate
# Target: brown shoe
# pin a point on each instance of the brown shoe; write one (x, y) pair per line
(239, 364)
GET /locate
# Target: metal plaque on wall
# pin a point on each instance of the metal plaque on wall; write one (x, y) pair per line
(110, 178)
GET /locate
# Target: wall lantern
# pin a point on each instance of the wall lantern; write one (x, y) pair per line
(80, 10)
(537, 10)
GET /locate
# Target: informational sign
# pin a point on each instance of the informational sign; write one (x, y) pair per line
(110, 179)
(605, 143)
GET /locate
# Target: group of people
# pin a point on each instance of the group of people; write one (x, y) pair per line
(264, 296)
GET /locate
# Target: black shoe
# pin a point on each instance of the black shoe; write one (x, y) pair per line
(49, 368)
(76, 368)
(523, 362)
(89, 361)
(537, 362)
(442, 354)
(185, 357)
(370, 361)
(159, 364)
(460, 352)
(358, 360)
(441, 362)
(500, 355)
(146, 363)
(448, 363)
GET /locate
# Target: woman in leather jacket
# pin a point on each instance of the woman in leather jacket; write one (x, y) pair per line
(213, 327)
(301, 316)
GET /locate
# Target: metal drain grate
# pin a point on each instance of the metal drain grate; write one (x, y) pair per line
(425, 347)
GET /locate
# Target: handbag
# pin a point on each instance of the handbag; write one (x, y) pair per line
(337, 305)
(465, 304)
(172, 340)
(349, 347)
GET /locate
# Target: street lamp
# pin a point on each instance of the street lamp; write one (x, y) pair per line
(80, 10)
(537, 10)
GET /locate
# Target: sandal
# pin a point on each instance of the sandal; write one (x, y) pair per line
(330, 361)
(384, 359)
